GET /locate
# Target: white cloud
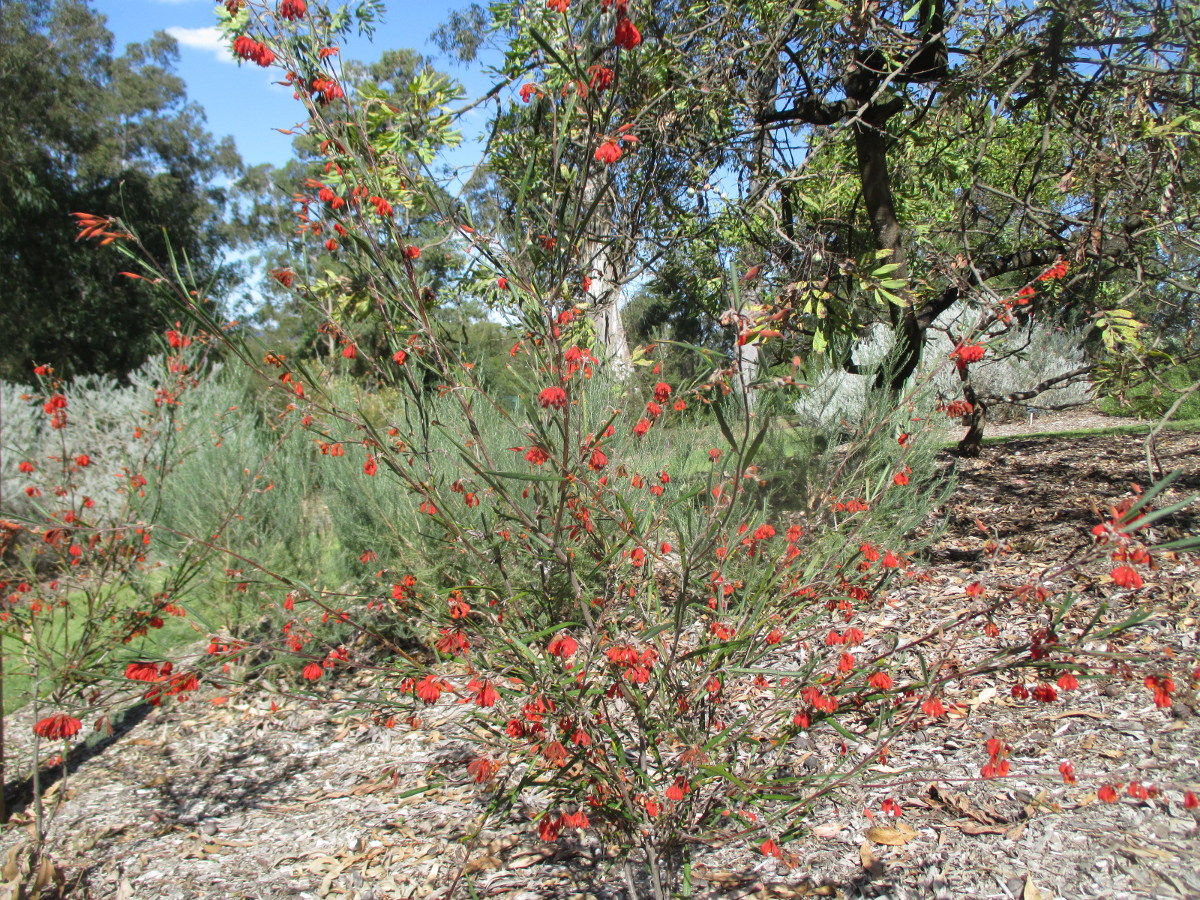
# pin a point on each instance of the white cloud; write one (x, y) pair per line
(208, 38)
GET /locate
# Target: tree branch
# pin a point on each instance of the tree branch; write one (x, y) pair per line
(1018, 396)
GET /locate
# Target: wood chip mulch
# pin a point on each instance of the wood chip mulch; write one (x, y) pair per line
(227, 797)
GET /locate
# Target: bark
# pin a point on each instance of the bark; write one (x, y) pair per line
(604, 263)
(870, 146)
(972, 443)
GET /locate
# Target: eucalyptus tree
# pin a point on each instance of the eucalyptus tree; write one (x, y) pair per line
(84, 129)
(878, 161)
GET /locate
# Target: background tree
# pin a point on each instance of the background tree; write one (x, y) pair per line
(82, 129)
(887, 163)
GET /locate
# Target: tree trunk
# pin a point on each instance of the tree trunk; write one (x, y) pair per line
(870, 144)
(972, 443)
(604, 264)
(605, 295)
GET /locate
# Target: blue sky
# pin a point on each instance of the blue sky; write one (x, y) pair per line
(242, 101)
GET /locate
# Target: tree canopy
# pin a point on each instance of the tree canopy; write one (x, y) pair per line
(85, 130)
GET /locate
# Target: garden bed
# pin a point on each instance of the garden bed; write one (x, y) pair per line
(252, 793)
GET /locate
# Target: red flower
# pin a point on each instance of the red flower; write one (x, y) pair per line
(1068, 682)
(1045, 693)
(1107, 793)
(555, 753)
(248, 48)
(933, 707)
(56, 728)
(1126, 577)
(537, 455)
(399, 357)
(608, 152)
(312, 671)
(966, 353)
(429, 689)
(598, 460)
(678, 789)
(26, 467)
(549, 828)
(552, 397)
(453, 642)
(577, 819)
(481, 768)
(880, 680)
(370, 466)
(412, 252)
(642, 426)
(502, 283)
(142, 671)
(559, 6)
(626, 36)
(1058, 270)
(1068, 772)
(770, 848)
(293, 9)
(484, 693)
(763, 532)
(563, 646)
(599, 78)
(662, 391)
(900, 479)
(1190, 801)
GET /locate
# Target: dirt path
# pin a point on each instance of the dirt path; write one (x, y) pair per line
(248, 794)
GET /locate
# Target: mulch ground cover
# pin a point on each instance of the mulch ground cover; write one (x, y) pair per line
(251, 793)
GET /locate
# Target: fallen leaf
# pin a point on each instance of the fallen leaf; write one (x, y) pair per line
(869, 860)
(893, 837)
(1031, 892)
(828, 831)
(1076, 713)
(482, 864)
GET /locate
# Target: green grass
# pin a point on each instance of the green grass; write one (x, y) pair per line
(1150, 400)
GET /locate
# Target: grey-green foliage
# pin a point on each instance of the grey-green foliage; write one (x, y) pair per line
(118, 426)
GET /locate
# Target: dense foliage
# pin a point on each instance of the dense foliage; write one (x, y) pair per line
(84, 129)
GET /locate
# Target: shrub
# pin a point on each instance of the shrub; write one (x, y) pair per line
(600, 572)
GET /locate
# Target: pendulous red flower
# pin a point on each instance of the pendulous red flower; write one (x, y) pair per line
(293, 9)
(608, 152)
(626, 36)
(57, 727)
(552, 398)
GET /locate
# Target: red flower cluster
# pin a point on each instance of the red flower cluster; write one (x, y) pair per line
(626, 36)
(562, 646)
(966, 353)
(293, 9)
(552, 398)
(600, 78)
(248, 48)
(997, 765)
(1162, 686)
(58, 727)
(1056, 271)
(608, 152)
(636, 665)
(1126, 577)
